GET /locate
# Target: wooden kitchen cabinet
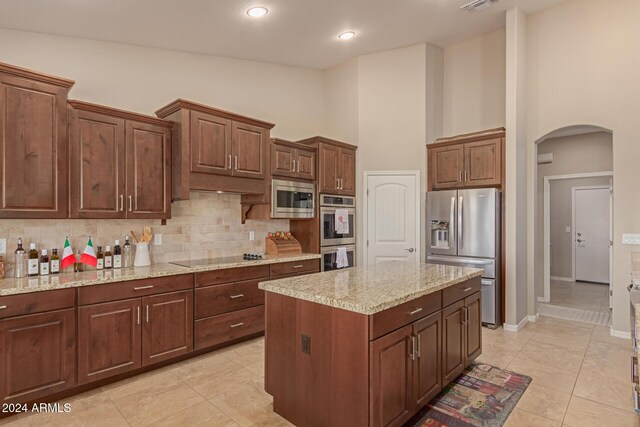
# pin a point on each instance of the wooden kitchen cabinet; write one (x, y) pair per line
(120, 163)
(427, 382)
(33, 144)
(467, 161)
(109, 339)
(292, 160)
(216, 150)
(168, 326)
(336, 166)
(453, 348)
(473, 327)
(38, 355)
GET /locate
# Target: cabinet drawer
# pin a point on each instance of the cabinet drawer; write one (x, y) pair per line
(134, 288)
(396, 317)
(229, 275)
(295, 267)
(226, 327)
(36, 302)
(460, 291)
(221, 299)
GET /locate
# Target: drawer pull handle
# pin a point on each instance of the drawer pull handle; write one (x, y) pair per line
(139, 288)
(236, 296)
(2, 307)
(416, 311)
(468, 289)
(297, 266)
(236, 325)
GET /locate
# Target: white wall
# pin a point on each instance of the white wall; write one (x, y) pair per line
(144, 79)
(474, 84)
(342, 102)
(582, 63)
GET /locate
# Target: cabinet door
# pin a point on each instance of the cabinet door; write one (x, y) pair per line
(427, 378)
(328, 156)
(148, 170)
(38, 354)
(391, 378)
(453, 351)
(168, 326)
(247, 148)
(447, 164)
(483, 163)
(473, 307)
(109, 340)
(282, 158)
(210, 144)
(306, 164)
(97, 165)
(33, 149)
(347, 172)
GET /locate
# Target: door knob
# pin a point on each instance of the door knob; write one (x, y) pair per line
(411, 250)
(579, 240)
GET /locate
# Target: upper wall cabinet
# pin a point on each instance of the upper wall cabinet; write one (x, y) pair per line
(216, 150)
(336, 166)
(467, 161)
(120, 163)
(33, 138)
(292, 160)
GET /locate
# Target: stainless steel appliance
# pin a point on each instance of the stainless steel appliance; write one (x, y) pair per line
(634, 296)
(328, 206)
(330, 257)
(463, 228)
(292, 199)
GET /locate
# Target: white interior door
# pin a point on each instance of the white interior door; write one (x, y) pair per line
(393, 209)
(591, 238)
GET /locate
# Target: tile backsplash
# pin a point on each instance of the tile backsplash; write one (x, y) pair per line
(206, 226)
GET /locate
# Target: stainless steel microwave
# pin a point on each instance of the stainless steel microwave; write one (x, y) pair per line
(292, 199)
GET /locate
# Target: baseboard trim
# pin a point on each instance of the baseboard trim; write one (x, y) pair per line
(533, 318)
(542, 299)
(620, 334)
(516, 328)
(562, 279)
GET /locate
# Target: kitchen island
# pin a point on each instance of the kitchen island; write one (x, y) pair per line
(370, 345)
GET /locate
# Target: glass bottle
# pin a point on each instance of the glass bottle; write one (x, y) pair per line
(117, 255)
(77, 266)
(44, 263)
(33, 260)
(108, 258)
(126, 253)
(20, 260)
(100, 259)
(55, 262)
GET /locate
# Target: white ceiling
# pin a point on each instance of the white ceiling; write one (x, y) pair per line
(295, 32)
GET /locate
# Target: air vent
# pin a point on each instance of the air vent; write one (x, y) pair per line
(477, 5)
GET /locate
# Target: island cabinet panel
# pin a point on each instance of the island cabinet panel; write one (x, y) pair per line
(33, 144)
(109, 339)
(453, 348)
(386, 321)
(473, 326)
(168, 326)
(391, 364)
(38, 355)
(428, 366)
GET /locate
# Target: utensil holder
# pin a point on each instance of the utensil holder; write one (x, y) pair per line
(142, 259)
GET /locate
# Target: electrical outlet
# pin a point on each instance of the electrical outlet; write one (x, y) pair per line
(252, 235)
(631, 239)
(567, 229)
(3, 246)
(157, 239)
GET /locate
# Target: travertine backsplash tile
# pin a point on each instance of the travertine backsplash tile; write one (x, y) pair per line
(207, 225)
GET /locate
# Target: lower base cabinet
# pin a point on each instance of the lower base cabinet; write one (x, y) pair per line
(38, 355)
(168, 326)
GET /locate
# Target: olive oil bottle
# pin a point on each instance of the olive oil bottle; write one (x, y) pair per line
(108, 258)
(44, 263)
(100, 259)
(117, 255)
(55, 262)
(32, 265)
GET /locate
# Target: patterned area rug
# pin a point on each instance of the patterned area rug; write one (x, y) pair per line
(483, 396)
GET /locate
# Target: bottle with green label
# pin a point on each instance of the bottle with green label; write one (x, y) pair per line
(33, 260)
(44, 263)
(117, 255)
(99, 259)
(55, 262)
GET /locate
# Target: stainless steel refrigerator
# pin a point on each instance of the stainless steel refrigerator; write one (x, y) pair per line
(463, 228)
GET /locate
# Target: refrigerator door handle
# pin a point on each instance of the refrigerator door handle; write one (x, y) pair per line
(452, 222)
(460, 230)
(464, 261)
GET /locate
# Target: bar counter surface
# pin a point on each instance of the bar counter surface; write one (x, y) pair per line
(370, 345)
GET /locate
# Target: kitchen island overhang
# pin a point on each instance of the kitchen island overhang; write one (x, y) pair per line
(369, 345)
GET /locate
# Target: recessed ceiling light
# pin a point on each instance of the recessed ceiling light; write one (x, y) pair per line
(347, 35)
(257, 12)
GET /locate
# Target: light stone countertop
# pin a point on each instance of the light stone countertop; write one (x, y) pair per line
(374, 288)
(13, 286)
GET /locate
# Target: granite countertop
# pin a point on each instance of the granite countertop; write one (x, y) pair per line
(374, 288)
(13, 286)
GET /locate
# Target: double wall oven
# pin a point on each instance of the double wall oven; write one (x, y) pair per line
(338, 246)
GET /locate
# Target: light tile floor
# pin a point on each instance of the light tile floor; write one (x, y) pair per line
(585, 296)
(580, 378)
